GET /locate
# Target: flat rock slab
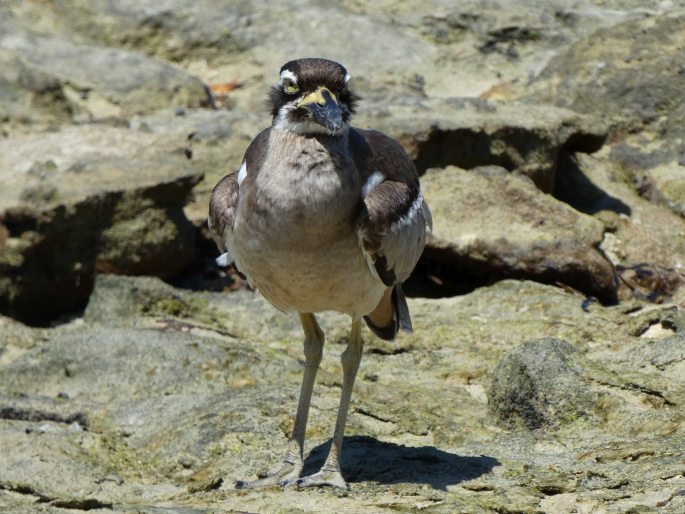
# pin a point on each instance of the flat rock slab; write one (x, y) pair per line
(629, 73)
(84, 199)
(159, 399)
(490, 224)
(218, 140)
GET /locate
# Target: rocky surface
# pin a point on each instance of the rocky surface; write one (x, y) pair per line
(550, 140)
(544, 383)
(161, 398)
(64, 78)
(638, 233)
(467, 133)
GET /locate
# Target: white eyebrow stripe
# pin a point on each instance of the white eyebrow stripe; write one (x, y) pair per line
(347, 77)
(287, 74)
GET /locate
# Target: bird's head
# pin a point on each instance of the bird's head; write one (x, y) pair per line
(312, 97)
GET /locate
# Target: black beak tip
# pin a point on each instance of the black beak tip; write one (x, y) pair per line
(334, 124)
(328, 115)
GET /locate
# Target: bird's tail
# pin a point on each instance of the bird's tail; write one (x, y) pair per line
(390, 315)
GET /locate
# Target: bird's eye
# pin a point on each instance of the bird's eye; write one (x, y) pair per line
(290, 86)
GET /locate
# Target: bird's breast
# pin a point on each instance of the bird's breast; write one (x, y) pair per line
(312, 195)
(295, 235)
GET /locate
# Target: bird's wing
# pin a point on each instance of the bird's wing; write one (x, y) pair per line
(222, 207)
(394, 216)
(224, 200)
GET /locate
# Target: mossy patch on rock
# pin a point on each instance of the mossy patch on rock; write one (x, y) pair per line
(541, 384)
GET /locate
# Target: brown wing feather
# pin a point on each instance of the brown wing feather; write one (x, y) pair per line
(256, 152)
(374, 151)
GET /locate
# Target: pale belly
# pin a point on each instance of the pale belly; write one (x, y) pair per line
(310, 276)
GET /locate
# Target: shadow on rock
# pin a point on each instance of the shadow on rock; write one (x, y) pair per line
(368, 459)
(577, 190)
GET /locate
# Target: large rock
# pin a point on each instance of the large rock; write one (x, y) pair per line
(29, 95)
(630, 74)
(478, 46)
(489, 225)
(84, 199)
(643, 240)
(655, 165)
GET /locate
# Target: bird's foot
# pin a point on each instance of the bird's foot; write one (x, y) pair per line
(288, 471)
(331, 478)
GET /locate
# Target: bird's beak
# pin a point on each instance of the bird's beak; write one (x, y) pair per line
(324, 108)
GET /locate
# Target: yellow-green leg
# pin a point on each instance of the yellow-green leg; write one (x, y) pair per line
(330, 474)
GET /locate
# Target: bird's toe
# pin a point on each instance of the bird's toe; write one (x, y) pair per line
(320, 479)
(287, 472)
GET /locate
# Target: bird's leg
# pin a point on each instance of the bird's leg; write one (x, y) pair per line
(294, 457)
(330, 472)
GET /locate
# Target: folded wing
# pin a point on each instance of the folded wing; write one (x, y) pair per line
(394, 218)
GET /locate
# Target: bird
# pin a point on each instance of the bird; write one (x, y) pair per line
(322, 216)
